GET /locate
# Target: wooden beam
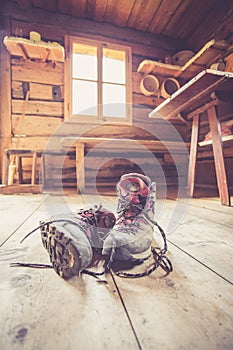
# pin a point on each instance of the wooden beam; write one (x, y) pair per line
(202, 109)
(193, 155)
(5, 93)
(218, 156)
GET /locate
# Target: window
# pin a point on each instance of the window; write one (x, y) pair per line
(98, 79)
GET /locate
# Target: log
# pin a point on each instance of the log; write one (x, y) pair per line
(37, 72)
(34, 125)
(38, 91)
(38, 108)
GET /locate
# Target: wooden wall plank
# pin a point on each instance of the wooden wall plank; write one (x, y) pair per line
(34, 142)
(47, 31)
(37, 72)
(34, 125)
(38, 91)
(38, 108)
(149, 101)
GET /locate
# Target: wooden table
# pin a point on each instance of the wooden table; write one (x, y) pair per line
(192, 99)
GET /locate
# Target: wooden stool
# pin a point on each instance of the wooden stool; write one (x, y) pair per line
(19, 154)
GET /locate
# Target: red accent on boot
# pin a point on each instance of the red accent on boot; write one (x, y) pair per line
(132, 188)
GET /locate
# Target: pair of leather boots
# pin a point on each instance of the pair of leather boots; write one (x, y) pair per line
(72, 241)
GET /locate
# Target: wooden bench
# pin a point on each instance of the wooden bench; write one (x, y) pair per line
(83, 145)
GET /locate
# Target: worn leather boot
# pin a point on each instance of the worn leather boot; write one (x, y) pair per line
(71, 240)
(133, 231)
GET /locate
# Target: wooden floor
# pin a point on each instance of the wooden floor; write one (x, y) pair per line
(192, 308)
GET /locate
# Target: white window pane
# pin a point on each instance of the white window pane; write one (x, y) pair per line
(114, 101)
(84, 62)
(113, 66)
(84, 97)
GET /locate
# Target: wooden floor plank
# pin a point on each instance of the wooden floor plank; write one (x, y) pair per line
(192, 308)
(189, 309)
(15, 209)
(204, 234)
(40, 310)
(212, 203)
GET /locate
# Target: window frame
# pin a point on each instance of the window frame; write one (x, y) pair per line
(99, 119)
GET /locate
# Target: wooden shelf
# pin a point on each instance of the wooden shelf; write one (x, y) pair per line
(211, 52)
(193, 94)
(210, 142)
(159, 68)
(29, 49)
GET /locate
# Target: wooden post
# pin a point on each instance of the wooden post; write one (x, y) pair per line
(5, 167)
(193, 155)
(34, 163)
(80, 170)
(42, 171)
(19, 166)
(5, 97)
(218, 156)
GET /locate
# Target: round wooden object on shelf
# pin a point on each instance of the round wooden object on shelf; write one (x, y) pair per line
(169, 86)
(149, 85)
(181, 57)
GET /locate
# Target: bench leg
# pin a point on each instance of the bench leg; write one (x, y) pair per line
(218, 156)
(5, 168)
(193, 155)
(80, 170)
(42, 172)
(20, 169)
(34, 163)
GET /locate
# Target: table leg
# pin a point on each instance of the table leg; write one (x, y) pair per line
(218, 156)
(193, 155)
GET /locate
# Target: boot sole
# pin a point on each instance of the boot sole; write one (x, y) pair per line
(64, 256)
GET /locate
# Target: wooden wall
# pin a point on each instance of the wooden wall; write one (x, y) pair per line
(44, 111)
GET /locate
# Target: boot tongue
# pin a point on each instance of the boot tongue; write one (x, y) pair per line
(132, 189)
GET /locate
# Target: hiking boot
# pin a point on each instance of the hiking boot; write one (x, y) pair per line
(133, 231)
(71, 240)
